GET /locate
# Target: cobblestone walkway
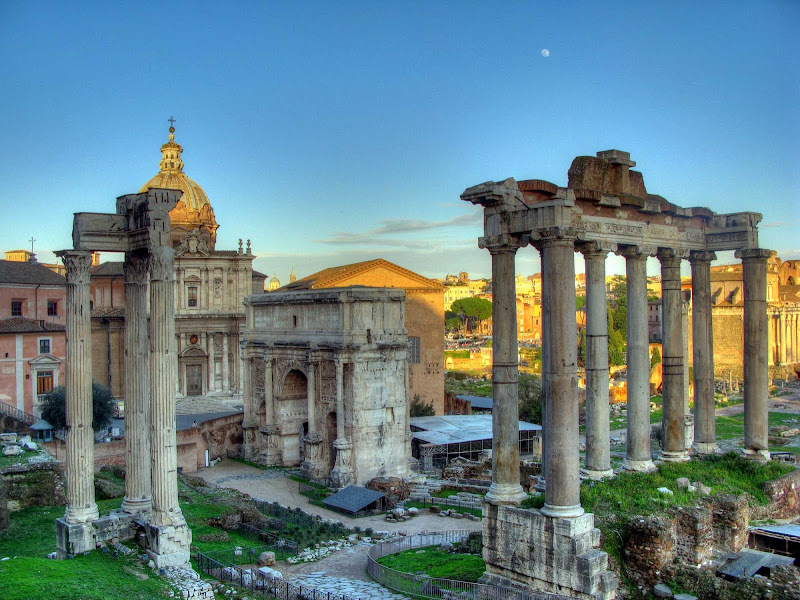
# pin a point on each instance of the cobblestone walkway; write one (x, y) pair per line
(361, 590)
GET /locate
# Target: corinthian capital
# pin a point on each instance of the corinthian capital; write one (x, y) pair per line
(77, 263)
(505, 242)
(136, 266)
(162, 260)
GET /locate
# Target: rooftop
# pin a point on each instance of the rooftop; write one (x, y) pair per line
(30, 273)
(451, 429)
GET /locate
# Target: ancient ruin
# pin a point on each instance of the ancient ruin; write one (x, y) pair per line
(140, 228)
(325, 383)
(604, 208)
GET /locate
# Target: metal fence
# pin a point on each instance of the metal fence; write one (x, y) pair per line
(423, 586)
(214, 564)
(282, 548)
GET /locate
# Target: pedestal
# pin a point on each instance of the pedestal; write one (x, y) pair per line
(312, 466)
(271, 455)
(169, 545)
(342, 474)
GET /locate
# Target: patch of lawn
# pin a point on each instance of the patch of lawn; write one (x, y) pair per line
(24, 458)
(463, 383)
(733, 427)
(437, 563)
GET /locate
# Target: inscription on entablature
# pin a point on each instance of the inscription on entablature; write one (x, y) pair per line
(613, 228)
(730, 236)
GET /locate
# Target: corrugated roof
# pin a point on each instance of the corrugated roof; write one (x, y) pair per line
(478, 401)
(749, 562)
(788, 529)
(352, 498)
(29, 273)
(451, 429)
(24, 325)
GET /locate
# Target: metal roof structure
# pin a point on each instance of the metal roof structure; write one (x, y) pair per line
(452, 429)
(749, 562)
(788, 530)
(352, 499)
(480, 402)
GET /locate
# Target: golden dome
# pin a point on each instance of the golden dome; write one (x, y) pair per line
(193, 210)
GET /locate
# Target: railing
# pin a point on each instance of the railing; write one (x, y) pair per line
(17, 414)
(423, 586)
(214, 564)
(456, 504)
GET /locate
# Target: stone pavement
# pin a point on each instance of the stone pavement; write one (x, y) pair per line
(361, 590)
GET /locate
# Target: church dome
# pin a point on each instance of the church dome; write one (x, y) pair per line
(193, 210)
(274, 283)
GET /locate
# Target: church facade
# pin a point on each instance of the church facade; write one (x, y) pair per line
(210, 285)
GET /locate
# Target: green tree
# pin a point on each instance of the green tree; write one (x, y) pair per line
(582, 348)
(580, 302)
(530, 398)
(420, 409)
(655, 358)
(451, 321)
(472, 311)
(103, 404)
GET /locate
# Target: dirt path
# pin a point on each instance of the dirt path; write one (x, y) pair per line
(271, 485)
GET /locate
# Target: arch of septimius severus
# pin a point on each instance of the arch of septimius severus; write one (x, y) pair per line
(141, 229)
(604, 208)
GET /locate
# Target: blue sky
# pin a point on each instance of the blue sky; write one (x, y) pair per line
(329, 133)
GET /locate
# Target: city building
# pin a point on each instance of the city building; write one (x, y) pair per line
(32, 333)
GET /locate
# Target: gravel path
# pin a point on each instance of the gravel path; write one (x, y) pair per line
(351, 563)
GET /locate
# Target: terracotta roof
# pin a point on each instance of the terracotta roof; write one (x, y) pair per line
(29, 273)
(108, 313)
(108, 269)
(258, 274)
(23, 325)
(329, 278)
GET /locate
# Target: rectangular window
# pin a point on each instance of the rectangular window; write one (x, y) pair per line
(52, 308)
(192, 296)
(44, 382)
(16, 308)
(44, 346)
(413, 350)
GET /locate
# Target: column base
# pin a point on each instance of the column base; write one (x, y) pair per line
(641, 466)
(526, 550)
(169, 545)
(341, 478)
(74, 538)
(705, 448)
(757, 455)
(137, 506)
(75, 515)
(597, 475)
(680, 456)
(541, 484)
(270, 458)
(562, 512)
(505, 493)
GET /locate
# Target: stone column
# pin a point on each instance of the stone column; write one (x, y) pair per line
(505, 488)
(166, 510)
(637, 456)
(211, 359)
(541, 483)
(342, 474)
(249, 424)
(137, 386)
(312, 465)
(81, 506)
(598, 450)
(705, 439)
(272, 454)
(226, 375)
(756, 369)
(672, 423)
(562, 496)
(782, 337)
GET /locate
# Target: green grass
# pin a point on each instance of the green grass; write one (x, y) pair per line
(437, 563)
(733, 427)
(463, 383)
(22, 459)
(461, 509)
(456, 353)
(29, 574)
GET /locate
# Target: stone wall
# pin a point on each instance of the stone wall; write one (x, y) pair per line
(649, 548)
(32, 485)
(218, 436)
(784, 498)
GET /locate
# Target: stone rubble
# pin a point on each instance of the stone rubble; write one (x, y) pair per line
(342, 587)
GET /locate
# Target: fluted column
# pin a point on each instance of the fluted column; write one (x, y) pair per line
(562, 496)
(342, 473)
(541, 482)
(672, 423)
(637, 456)
(272, 454)
(756, 347)
(598, 449)
(163, 452)
(312, 465)
(505, 488)
(81, 506)
(705, 437)
(137, 387)
(782, 337)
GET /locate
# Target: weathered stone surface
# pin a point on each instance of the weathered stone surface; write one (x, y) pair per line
(266, 559)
